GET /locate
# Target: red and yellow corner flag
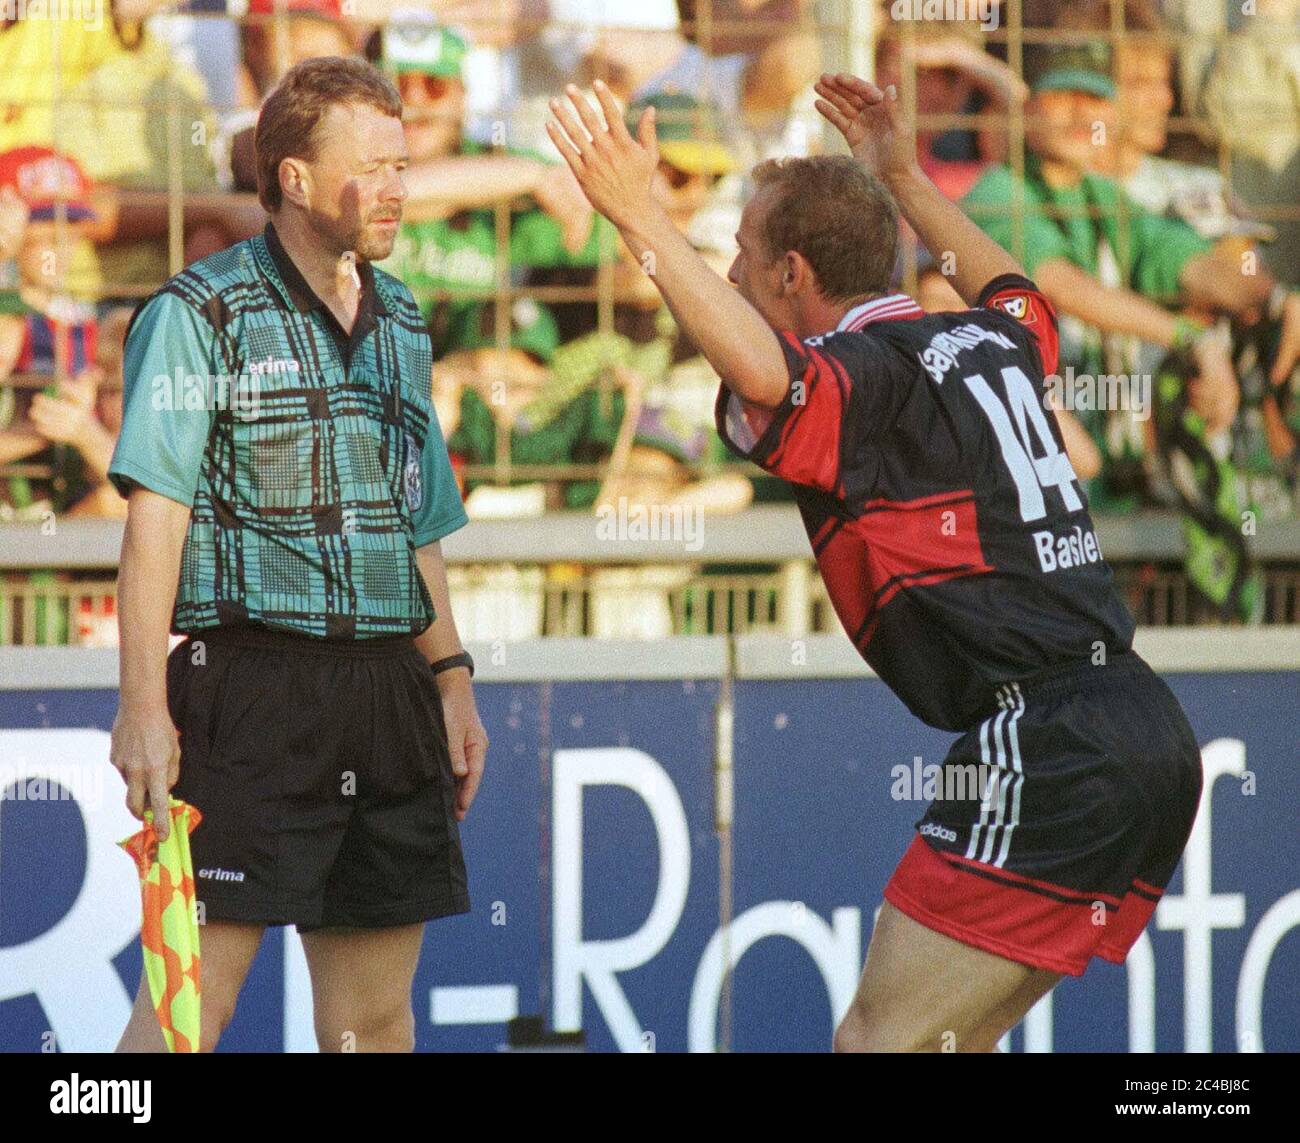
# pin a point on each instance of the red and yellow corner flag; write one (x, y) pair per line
(169, 930)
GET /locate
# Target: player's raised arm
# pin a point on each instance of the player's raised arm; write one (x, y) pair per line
(873, 125)
(615, 172)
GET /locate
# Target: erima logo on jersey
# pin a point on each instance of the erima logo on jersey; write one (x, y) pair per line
(941, 354)
(274, 365)
(941, 832)
(221, 874)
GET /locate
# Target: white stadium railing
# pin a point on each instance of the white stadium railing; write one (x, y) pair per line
(583, 574)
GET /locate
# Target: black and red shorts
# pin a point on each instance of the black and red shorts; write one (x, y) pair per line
(323, 776)
(1061, 819)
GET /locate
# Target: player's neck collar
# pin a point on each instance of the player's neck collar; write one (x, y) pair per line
(894, 307)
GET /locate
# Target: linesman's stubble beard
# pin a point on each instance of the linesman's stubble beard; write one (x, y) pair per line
(369, 245)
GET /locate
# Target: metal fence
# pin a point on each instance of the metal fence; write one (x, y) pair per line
(524, 578)
(846, 33)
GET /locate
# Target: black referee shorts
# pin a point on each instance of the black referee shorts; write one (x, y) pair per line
(1061, 818)
(322, 773)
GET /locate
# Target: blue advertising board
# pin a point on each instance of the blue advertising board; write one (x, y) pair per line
(606, 897)
(817, 822)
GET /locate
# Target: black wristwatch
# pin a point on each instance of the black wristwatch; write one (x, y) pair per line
(451, 662)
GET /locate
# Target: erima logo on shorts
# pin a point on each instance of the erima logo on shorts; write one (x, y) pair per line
(222, 874)
(941, 832)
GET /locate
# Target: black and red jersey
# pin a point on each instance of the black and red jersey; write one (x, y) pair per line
(947, 521)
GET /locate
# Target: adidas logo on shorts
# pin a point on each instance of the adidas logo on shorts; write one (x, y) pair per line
(941, 832)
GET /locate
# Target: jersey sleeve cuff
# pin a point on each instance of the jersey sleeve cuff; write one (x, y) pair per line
(1004, 282)
(734, 428)
(126, 477)
(431, 533)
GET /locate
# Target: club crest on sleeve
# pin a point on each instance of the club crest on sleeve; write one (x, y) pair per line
(1019, 306)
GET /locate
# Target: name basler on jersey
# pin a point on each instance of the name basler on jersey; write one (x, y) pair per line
(1077, 547)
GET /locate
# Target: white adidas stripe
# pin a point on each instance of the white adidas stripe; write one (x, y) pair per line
(1018, 780)
(990, 838)
(993, 723)
(1008, 778)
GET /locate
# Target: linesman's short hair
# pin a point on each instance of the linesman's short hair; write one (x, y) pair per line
(288, 124)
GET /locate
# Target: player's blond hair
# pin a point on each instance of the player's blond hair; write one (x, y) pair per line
(837, 215)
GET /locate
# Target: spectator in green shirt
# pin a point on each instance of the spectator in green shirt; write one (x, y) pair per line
(446, 251)
(494, 395)
(1114, 266)
(1104, 260)
(1264, 445)
(1099, 256)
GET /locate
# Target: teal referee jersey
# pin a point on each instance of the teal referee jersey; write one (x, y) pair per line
(311, 458)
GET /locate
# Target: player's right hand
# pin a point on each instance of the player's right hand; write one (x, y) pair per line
(871, 121)
(146, 752)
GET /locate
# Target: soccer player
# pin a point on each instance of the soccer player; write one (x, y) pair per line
(288, 488)
(957, 550)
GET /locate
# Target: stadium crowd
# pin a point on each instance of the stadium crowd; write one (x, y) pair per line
(1140, 157)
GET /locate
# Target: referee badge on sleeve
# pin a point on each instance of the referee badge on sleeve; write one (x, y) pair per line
(411, 479)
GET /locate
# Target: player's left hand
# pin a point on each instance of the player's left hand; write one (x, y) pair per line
(614, 170)
(467, 741)
(872, 121)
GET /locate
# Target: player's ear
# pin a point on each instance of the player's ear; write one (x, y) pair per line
(796, 273)
(295, 181)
